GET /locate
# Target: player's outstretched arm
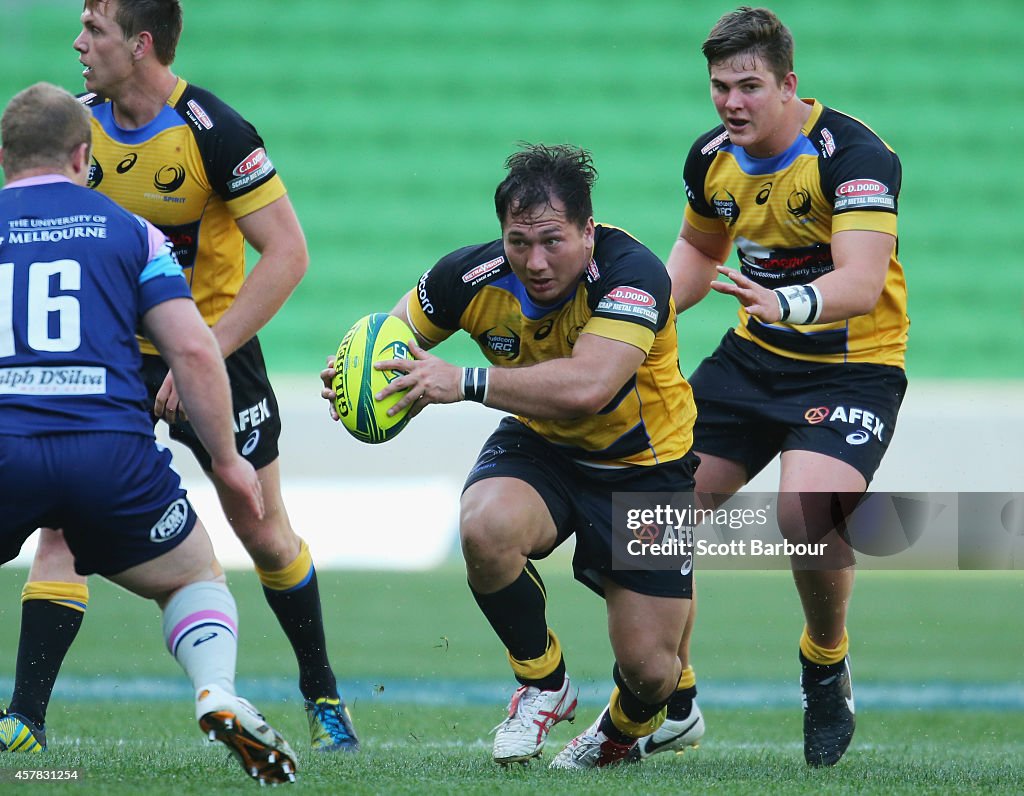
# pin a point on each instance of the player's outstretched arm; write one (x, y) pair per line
(691, 264)
(192, 353)
(861, 260)
(576, 386)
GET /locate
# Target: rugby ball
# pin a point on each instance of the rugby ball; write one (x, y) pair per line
(372, 338)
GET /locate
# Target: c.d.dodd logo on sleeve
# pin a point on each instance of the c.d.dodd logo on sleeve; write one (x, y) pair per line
(172, 523)
(626, 300)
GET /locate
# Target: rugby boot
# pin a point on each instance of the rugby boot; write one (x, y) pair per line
(829, 716)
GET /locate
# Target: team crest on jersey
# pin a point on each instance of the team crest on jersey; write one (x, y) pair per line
(95, 173)
(631, 301)
(798, 203)
(172, 523)
(482, 271)
(168, 178)
(503, 342)
(726, 206)
(593, 273)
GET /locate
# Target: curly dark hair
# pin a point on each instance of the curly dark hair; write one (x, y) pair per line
(539, 173)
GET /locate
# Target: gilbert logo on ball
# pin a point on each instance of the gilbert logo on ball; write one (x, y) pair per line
(372, 338)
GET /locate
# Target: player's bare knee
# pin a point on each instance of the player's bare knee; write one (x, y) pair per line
(271, 545)
(487, 546)
(651, 675)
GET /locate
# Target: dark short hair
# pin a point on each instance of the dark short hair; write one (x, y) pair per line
(40, 127)
(162, 18)
(539, 173)
(756, 31)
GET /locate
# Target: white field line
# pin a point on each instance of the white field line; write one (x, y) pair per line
(445, 692)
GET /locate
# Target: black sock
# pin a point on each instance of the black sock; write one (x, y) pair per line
(47, 632)
(517, 615)
(681, 703)
(816, 672)
(298, 612)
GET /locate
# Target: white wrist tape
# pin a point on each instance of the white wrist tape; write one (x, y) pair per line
(799, 304)
(474, 384)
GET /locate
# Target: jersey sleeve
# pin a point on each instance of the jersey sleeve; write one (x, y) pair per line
(441, 296)
(236, 161)
(863, 181)
(630, 296)
(699, 213)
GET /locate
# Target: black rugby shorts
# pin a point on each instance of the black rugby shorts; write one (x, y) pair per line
(257, 421)
(579, 499)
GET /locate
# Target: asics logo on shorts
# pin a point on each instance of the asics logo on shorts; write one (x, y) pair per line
(251, 443)
(171, 523)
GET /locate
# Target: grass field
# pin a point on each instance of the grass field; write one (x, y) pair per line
(390, 121)
(937, 664)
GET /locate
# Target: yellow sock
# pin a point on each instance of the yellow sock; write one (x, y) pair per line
(70, 595)
(539, 668)
(823, 656)
(687, 679)
(293, 575)
(623, 723)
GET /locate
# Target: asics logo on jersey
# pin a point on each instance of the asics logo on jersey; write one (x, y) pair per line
(544, 330)
(763, 194)
(127, 163)
(169, 178)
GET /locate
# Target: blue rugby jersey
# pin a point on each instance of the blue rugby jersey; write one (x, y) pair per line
(77, 273)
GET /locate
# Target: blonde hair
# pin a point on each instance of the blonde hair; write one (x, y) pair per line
(41, 127)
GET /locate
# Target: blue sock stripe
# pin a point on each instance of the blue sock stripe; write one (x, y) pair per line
(199, 626)
(302, 583)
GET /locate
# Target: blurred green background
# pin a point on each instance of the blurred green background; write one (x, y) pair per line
(390, 122)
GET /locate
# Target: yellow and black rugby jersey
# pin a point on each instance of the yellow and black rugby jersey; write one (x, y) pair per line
(624, 294)
(190, 172)
(781, 213)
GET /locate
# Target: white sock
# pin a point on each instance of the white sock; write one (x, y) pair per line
(201, 631)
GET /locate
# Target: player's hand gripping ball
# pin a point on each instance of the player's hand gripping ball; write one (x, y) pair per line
(372, 338)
